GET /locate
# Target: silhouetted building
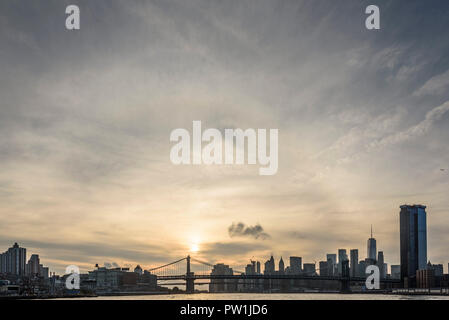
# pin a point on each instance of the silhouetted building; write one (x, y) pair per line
(354, 260)
(396, 272)
(413, 240)
(222, 285)
(324, 270)
(437, 268)
(342, 256)
(380, 264)
(425, 278)
(332, 265)
(32, 267)
(362, 269)
(371, 250)
(309, 269)
(281, 266)
(269, 266)
(138, 270)
(13, 261)
(295, 265)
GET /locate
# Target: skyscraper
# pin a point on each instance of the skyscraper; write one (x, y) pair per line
(13, 261)
(281, 266)
(33, 265)
(295, 265)
(413, 241)
(380, 264)
(342, 256)
(371, 250)
(354, 260)
(324, 268)
(269, 266)
(332, 263)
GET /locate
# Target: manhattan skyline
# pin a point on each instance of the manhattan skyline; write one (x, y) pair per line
(86, 115)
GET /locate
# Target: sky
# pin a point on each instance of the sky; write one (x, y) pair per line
(86, 116)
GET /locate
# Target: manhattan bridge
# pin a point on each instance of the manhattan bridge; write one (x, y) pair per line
(190, 272)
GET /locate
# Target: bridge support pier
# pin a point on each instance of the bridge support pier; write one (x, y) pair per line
(190, 284)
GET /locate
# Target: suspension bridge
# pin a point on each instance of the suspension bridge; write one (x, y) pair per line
(189, 270)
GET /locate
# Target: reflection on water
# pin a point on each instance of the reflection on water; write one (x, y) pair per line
(272, 296)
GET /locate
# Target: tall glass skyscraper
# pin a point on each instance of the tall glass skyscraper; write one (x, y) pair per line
(413, 229)
(371, 248)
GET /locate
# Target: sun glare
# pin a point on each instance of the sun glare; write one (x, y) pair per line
(194, 247)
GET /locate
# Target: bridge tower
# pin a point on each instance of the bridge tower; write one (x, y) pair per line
(190, 284)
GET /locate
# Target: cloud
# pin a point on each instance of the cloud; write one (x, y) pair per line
(111, 265)
(435, 85)
(240, 230)
(415, 131)
(230, 249)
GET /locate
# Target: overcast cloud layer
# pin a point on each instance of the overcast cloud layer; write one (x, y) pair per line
(85, 119)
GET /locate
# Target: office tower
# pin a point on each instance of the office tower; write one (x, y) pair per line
(332, 257)
(345, 268)
(437, 268)
(43, 271)
(249, 269)
(33, 265)
(371, 247)
(362, 269)
(324, 268)
(3, 262)
(221, 285)
(396, 272)
(342, 256)
(13, 261)
(309, 269)
(380, 264)
(269, 266)
(281, 266)
(295, 265)
(258, 267)
(354, 260)
(330, 268)
(413, 242)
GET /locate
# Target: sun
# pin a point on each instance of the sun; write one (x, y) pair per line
(194, 247)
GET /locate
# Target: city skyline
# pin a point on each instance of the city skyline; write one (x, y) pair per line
(331, 264)
(86, 117)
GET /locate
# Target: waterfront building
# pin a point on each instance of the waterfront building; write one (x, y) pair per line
(354, 262)
(362, 269)
(281, 266)
(413, 242)
(222, 285)
(269, 266)
(13, 261)
(309, 269)
(371, 250)
(32, 267)
(342, 256)
(295, 265)
(425, 278)
(395, 272)
(437, 268)
(332, 263)
(138, 270)
(324, 268)
(380, 265)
